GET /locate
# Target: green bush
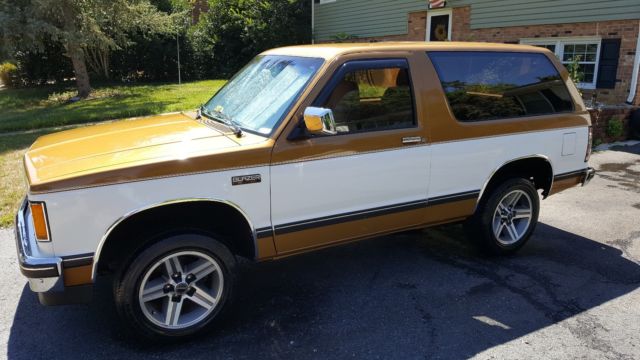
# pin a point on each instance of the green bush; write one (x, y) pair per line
(615, 128)
(232, 32)
(597, 142)
(9, 74)
(223, 40)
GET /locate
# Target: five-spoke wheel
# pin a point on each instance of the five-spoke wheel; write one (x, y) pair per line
(505, 217)
(512, 217)
(176, 287)
(181, 289)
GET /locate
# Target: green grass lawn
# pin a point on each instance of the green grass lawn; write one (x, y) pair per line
(37, 108)
(12, 177)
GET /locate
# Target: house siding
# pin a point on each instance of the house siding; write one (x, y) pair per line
(504, 13)
(373, 18)
(364, 18)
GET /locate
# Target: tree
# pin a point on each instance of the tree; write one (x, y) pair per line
(87, 29)
(231, 32)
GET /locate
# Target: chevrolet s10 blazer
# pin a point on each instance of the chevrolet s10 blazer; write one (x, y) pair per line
(306, 147)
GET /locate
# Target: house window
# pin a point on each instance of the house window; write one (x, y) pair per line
(439, 25)
(586, 50)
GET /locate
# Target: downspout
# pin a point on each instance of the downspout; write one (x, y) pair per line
(636, 70)
(313, 22)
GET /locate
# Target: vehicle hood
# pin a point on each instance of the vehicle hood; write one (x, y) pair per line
(162, 145)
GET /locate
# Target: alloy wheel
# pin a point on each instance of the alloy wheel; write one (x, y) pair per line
(181, 289)
(512, 217)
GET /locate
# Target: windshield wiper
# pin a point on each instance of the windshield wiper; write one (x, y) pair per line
(222, 118)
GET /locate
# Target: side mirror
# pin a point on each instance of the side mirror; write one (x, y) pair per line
(319, 121)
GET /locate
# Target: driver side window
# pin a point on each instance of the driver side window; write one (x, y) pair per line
(372, 99)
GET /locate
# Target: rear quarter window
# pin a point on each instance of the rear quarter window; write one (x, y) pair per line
(483, 86)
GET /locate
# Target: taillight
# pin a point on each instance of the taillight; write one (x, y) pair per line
(39, 216)
(589, 144)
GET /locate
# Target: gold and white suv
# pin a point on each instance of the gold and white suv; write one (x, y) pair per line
(306, 147)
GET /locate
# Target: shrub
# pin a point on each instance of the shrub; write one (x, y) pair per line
(9, 74)
(596, 142)
(575, 72)
(232, 32)
(615, 128)
(343, 37)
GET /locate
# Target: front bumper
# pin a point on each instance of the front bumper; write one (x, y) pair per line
(45, 274)
(589, 173)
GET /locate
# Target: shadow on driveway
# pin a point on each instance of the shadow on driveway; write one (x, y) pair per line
(418, 294)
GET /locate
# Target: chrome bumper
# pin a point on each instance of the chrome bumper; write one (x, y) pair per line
(589, 173)
(44, 273)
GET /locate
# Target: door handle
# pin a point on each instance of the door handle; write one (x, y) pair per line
(412, 140)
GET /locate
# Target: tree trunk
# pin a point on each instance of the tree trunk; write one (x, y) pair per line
(80, 69)
(72, 46)
(104, 59)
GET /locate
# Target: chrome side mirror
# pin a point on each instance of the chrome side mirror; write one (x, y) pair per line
(319, 121)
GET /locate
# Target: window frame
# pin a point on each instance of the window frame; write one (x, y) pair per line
(559, 44)
(439, 12)
(367, 64)
(435, 69)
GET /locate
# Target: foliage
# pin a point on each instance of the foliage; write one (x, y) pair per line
(60, 98)
(42, 67)
(8, 74)
(34, 108)
(225, 38)
(596, 142)
(234, 31)
(87, 30)
(343, 37)
(615, 128)
(575, 72)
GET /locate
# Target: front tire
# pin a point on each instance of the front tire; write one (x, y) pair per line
(176, 288)
(505, 218)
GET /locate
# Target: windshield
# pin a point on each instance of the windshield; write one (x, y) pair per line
(259, 95)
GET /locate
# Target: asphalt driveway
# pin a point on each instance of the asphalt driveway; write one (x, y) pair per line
(572, 292)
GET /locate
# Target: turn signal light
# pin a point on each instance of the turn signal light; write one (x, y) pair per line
(39, 215)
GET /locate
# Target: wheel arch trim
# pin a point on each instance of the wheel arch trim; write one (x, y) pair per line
(115, 224)
(498, 168)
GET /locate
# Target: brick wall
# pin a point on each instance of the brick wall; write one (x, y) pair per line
(627, 30)
(600, 119)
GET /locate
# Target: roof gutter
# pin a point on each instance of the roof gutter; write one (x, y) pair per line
(636, 70)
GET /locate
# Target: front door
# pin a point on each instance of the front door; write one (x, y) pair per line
(439, 25)
(369, 178)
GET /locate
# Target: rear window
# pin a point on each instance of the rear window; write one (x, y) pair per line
(497, 85)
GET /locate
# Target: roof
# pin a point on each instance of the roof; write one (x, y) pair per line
(329, 51)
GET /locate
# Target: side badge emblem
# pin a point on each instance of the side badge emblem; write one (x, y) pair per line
(246, 179)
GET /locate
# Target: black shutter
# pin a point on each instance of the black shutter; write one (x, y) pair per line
(609, 56)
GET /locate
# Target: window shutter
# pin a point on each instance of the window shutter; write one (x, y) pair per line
(608, 67)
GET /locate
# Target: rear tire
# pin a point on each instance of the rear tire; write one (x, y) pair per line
(176, 288)
(505, 218)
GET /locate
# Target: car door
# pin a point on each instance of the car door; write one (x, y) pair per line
(369, 178)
